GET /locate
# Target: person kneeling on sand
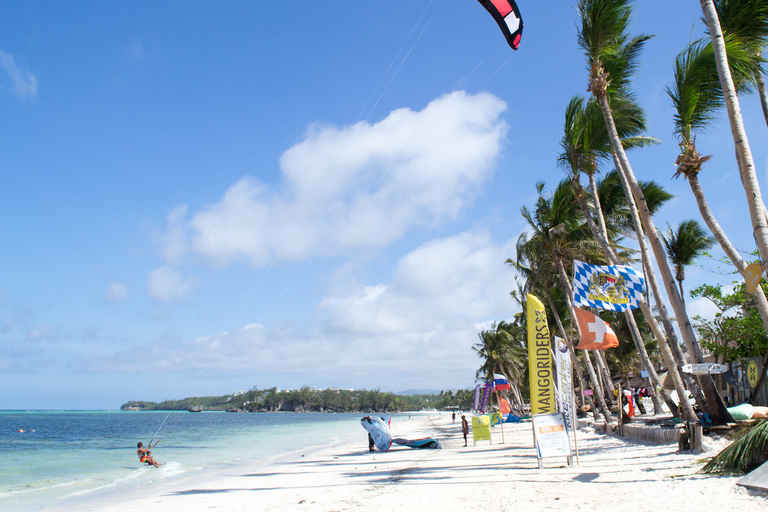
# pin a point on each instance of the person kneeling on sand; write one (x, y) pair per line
(145, 456)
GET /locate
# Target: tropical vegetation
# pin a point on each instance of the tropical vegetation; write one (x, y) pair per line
(610, 221)
(307, 399)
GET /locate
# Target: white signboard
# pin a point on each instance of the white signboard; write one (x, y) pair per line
(564, 383)
(551, 436)
(704, 368)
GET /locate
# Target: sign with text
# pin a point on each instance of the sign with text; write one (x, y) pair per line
(704, 368)
(481, 428)
(551, 435)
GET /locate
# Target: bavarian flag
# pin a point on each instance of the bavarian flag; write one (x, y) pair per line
(615, 288)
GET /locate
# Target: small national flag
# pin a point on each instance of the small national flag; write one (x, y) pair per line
(595, 333)
(615, 288)
(500, 382)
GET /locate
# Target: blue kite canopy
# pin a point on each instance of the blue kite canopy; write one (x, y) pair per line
(426, 442)
(507, 15)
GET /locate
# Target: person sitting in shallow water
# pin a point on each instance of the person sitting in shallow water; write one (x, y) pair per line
(145, 456)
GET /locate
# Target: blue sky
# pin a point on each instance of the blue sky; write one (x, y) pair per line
(201, 197)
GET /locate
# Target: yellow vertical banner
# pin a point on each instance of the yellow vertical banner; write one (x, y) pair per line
(481, 428)
(539, 358)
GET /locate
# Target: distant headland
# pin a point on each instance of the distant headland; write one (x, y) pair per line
(307, 399)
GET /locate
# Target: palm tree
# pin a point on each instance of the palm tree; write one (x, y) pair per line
(612, 56)
(584, 142)
(696, 96)
(558, 237)
(503, 353)
(746, 163)
(684, 246)
(745, 24)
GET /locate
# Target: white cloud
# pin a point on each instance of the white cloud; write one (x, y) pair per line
(116, 292)
(134, 51)
(167, 284)
(174, 242)
(24, 82)
(460, 279)
(354, 188)
(37, 333)
(417, 329)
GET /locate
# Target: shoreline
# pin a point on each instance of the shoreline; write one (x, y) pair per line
(612, 473)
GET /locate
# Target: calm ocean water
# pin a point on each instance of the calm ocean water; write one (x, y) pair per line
(74, 460)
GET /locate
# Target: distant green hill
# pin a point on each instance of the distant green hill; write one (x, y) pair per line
(307, 399)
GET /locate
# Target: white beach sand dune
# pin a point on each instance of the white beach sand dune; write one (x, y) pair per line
(613, 474)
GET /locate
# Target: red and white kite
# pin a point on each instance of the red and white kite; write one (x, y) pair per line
(507, 15)
(595, 333)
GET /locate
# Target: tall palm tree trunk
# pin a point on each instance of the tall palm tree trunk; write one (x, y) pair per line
(598, 396)
(747, 167)
(714, 406)
(598, 207)
(653, 283)
(571, 350)
(602, 364)
(725, 243)
(763, 91)
(613, 258)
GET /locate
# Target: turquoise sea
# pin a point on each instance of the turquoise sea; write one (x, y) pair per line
(76, 460)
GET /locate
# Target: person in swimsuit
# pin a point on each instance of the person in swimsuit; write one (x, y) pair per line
(145, 456)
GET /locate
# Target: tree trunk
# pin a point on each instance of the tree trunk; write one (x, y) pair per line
(714, 227)
(571, 350)
(761, 89)
(613, 259)
(598, 396)
(598, 206)
(602, 364)
(747, 167)
(714, 403)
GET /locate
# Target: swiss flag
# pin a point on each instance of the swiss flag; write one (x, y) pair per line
(595, 334)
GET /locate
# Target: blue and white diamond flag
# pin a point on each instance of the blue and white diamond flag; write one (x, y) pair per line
(615, 288)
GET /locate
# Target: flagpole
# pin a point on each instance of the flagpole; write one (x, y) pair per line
(575, 421)
(501, 416)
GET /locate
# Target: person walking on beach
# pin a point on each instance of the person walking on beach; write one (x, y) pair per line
(145, 456)
(453, 417)
(464, 428)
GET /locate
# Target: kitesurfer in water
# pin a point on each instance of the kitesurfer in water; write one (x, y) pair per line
(145, 456)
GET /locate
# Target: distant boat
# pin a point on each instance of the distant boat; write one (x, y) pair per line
(196, 408)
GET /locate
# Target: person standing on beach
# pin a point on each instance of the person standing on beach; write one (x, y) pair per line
(453, 417)
(145, 456)
(464, 428)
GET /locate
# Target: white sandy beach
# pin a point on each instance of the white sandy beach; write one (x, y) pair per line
(613, 473)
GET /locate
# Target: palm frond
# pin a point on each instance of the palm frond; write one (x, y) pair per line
(739, 457)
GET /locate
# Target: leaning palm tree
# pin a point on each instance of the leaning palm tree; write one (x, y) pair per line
(746, 163)
(745, 25)
(696, 97)
(558, 237)
(612, 56)
(501, 353)
(584, 143)
(684, 246)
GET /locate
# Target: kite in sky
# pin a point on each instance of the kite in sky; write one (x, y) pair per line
(507, 15)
